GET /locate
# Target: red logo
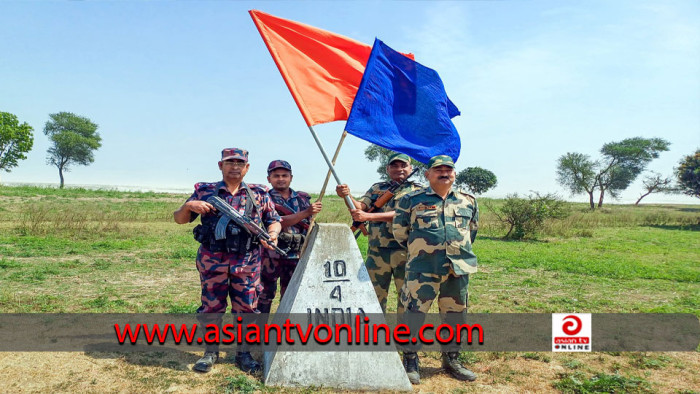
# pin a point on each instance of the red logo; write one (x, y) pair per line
(572, 327)
(572, 341)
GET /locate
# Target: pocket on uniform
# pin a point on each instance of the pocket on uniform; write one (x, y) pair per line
(427, 218)
(462, 218)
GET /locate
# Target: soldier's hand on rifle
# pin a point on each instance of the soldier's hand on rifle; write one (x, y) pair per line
(314, 208)
(342, 190)
(273, 240)
(200, 207)
(359, 215)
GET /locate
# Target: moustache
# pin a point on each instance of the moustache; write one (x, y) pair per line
(444, 177)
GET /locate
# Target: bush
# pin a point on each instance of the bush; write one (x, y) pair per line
(524, 216)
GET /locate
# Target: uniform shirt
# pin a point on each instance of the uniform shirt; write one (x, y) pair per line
(436, 231)
(297, 202)
(380, 234)
(204, 190)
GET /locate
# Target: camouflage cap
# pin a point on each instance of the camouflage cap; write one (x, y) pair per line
(275, 164)
(234, 153)
(400, 157)
(441, 160)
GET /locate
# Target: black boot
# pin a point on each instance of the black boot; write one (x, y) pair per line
(246, 363)
(264, 308)
(410, 364)
(452, 365)
(205, 363)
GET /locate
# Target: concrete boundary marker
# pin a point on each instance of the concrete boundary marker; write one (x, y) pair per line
(331, 276)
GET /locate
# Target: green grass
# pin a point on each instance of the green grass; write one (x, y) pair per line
(602, 383)
(107, 250)
(77, 250)
(241, 384)
(74, 192)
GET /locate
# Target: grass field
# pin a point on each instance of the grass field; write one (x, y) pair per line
(77, 250)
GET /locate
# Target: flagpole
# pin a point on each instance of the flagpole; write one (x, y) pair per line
(312, 221)
(335, 157)
(348, 200)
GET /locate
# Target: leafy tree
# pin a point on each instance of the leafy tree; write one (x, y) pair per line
(524, 216)
(476, 179)
(656, 183)
(15, 140)
(73, 138)
(620, 165)
(688, 174)
(623, 161)
(576, 171)
(382, 155)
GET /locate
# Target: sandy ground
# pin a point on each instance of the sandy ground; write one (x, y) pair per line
(170, 371)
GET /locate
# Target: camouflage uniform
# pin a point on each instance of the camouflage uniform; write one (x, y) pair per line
(385, 256)
(440, 257)
(273, 265)
(225, 274)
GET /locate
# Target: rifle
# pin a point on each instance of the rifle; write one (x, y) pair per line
(379, 203)
(286, 211)
(242, 221)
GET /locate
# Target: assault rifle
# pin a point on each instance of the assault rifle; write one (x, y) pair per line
(286, 211)
(243, 222)
(380, 202)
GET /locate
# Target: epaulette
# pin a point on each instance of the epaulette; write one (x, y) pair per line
(200, 186)
(463, 191)
(382, 184)
(416, 192)
(258, 187)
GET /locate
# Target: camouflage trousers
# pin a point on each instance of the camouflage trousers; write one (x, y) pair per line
(228, 275)
(382, 264)
(418, 293)
(273, 269)
(420, 290)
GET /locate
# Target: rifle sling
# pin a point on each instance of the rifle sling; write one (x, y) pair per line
(250, 203)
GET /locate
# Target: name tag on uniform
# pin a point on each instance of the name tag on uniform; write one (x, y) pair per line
(425, 207)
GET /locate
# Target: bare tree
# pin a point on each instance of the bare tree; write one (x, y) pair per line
(656, 183)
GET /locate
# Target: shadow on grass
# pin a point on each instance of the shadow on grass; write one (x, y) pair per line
(168, 358)
(501, 239)
(686, 209)
(688, 227)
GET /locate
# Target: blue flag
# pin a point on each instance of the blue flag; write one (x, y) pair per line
(402, 105)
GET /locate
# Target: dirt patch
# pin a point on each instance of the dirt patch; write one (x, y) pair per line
(170, 371)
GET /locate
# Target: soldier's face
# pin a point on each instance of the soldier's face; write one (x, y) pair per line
(280, 179)
(233, 170)
(440, 175)
(398, 170)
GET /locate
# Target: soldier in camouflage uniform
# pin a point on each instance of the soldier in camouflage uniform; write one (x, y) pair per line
(438, 225)
(295, 223)
(229, 267)
(385, 257)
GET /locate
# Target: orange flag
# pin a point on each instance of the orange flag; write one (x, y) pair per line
(322, 70)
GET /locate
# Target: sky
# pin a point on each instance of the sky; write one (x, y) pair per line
(172, 83)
